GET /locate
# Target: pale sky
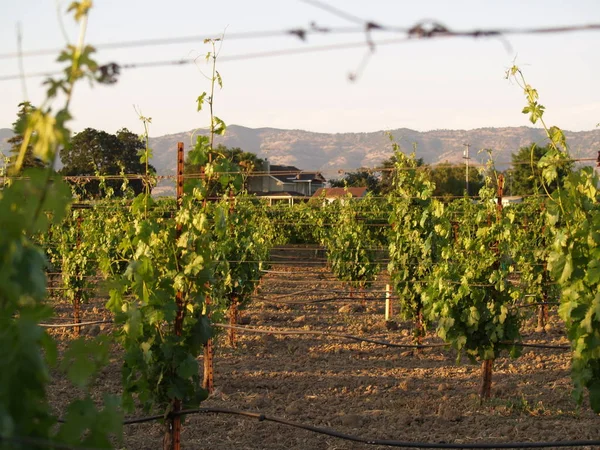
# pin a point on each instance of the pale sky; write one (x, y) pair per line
(452, 83)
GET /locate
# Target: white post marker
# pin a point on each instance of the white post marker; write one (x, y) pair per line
(388, 302)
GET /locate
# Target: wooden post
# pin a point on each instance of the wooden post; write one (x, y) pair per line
(208, 376)
(389, 311)
(486, 379)
(455, 229)
(233, 299)
(208, 381)
(488, 364)
(500, 192)
(419, 326)
(233, 319)
(172, 439)
(543, 309)
(77, 297)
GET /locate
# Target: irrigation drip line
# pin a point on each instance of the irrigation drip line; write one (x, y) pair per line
(322, 249)
(322, 333)
(375, 341)
(329, 334)
(317, 281)
(328, 280)
(550, 347)
(42, 443)
(513, 282)
(321, 300)
(304, 260)
(528, 305)
(291, 294)
(73, 325)
(331, 291)
(312, 261)
(72, 288)
(278, 272)
(366, 440)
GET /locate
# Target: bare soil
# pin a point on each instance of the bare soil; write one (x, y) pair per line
(353, 387)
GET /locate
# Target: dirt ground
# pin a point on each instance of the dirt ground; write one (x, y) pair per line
(353, 387)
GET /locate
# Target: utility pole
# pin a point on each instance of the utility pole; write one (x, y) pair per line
(466, 158)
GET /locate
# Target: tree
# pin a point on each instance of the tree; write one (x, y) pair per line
(360, 178)
(95, 152)
(525, 176)
(235, 158)
(389, 166)
(25, 108)
(450, 180)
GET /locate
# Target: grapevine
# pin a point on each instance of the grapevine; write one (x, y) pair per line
(413, 241)
(27, 208)
(350, 246)
(470, 295)
(573, 214)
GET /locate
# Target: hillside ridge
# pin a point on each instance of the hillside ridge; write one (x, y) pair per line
(333, 153)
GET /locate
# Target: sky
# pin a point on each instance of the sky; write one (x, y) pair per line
(447, 83)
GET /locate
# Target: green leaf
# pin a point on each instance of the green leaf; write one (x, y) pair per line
(200, 101)
(592, 275)
(218, 126)
(594, 390)
(188, 367)
(80, 9)
(83, 358)
(558, 137)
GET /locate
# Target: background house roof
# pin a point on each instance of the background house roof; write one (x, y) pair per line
(291, 174)
(279, 194)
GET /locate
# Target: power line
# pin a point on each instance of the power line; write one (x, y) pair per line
(239, 57)
(301, 33)
(424, 29)
(421, 30)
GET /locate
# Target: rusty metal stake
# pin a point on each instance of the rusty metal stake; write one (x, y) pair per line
(233, 320)
(208, 382)
(419, 327)
(172, 440)
(78, 293)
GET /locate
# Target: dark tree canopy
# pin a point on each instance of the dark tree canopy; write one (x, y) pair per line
(238, 160)
(96, 152)
(450, 180)
(247, 161)
(387, 174)
(25, 108)
(524, 177)
(360, 178)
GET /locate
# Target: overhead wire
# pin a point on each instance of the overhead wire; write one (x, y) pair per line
(419, 31)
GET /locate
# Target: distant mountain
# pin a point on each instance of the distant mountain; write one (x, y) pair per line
(5, 135)
(328, 152)
(332, 152)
